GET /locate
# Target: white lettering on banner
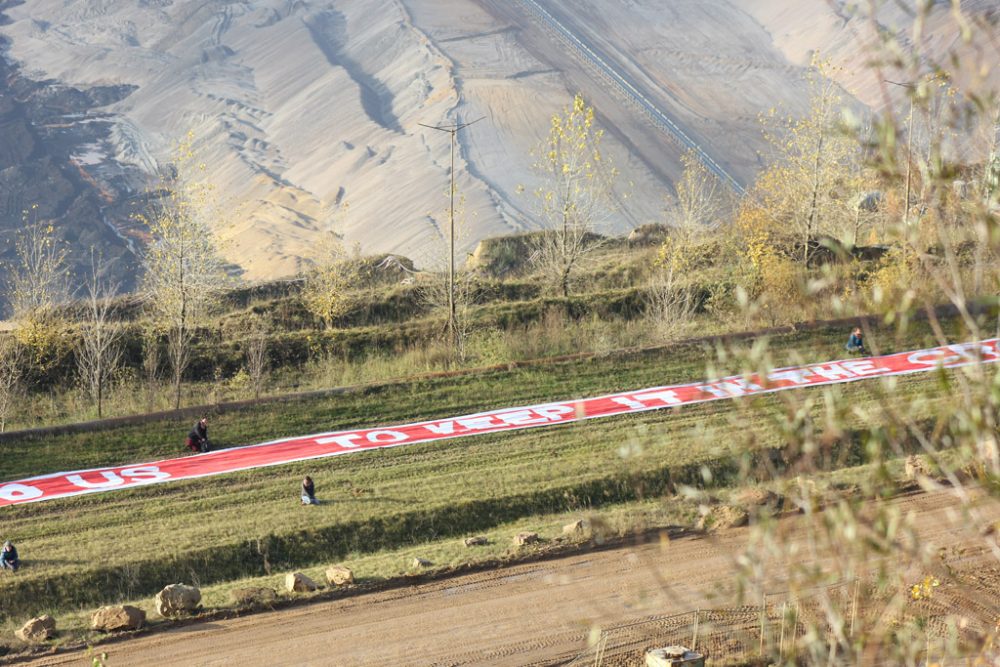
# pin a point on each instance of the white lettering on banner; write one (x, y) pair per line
(520, 418)
(628, 403)
(832, 372)
(554, 413)
(386, 437)
(793, 375)
(442, 428)
(343, 440)
(730, 388)
(864, 367)
(666, 397)
(929, 358)
(16, 493)
(288, 450)
(145, 474)
(110, 479)
(973, 351)
(479, 423)
(960, 352)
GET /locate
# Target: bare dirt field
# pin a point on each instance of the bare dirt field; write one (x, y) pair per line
(529, 614)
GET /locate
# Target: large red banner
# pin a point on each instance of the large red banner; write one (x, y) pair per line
(288, 450)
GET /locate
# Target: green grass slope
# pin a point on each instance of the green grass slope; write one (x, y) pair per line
(98, 548)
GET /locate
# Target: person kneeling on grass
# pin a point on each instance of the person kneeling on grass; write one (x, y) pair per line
(197, 440)
(309, 492)
(856, 343)
(8, 557)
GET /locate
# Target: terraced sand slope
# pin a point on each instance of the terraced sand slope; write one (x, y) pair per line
(299, 106)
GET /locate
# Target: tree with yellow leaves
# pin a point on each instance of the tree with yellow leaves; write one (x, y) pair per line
(575, 197)
(38, 284)
(332, 274)
(183, 271)
(809, 189)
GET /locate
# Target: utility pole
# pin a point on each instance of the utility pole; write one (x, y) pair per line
(909, 144)
(452, 320)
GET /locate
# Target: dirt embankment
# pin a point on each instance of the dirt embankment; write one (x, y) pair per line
(534, 613)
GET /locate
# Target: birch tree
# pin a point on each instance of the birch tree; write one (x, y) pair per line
(184, 273)
(99, 347)
(699, 201)
(38, 283)
(256, 354)
(808, 189)
(575, 198)
(11, 370)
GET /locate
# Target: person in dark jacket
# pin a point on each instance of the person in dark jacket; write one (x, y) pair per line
(309, 492)
(856, 343)
(8, 557)
(197, 440)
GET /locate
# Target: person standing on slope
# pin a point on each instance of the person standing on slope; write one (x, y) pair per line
(197, 440)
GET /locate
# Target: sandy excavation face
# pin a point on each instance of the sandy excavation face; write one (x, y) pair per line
(299, 106)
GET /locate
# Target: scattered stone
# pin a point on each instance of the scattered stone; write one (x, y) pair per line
(37, 629)
(648, 234)
(522, 539)
(989, 453)
(296, 582)
(575, 528)
(756, 497)
(723, 516)
(253, 596)
(338, 575)
(674, 656)
(916, 466)
(419, 563)
(177, 599)
(117, 617)
(991, 528)
(477, 541)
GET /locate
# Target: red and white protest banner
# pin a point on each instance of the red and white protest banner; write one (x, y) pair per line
(278, 452)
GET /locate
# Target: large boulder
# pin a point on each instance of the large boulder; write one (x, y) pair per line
(476, 541)
(916, 466)
(419, 563)
(674, 656)
(296, 582)
(253, 596)
(177, 599)
(117, 617)
(724, 516)
(648, 234)
(753, 497)
(338, 575)
(37, 629)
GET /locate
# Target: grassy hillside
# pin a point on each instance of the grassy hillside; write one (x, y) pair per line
(92, 549)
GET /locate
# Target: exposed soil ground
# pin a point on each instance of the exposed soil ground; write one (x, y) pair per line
(533, 613)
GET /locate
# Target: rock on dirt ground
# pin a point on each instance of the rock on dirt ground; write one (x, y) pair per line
(117, 617)
(177, 599)
(521, 539)
(296, 582)
(37, 629)
(338, 575)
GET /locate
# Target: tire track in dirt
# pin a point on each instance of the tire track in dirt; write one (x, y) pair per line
(533, 613)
